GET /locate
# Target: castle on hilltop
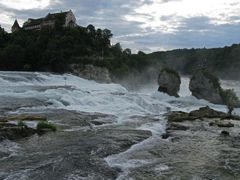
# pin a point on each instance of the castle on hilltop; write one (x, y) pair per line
(49, 20)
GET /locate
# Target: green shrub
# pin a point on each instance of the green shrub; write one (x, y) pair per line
(46, 125)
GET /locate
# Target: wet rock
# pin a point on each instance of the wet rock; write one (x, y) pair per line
(227, 125)
(91, 72)
(204, 85)
(225, 133)
(178, 127)
(169, 82)
(165, 135)
(14, 132)
(222, 124)
(120, 140)
(23, 117)
(206, 112)
(179, 116)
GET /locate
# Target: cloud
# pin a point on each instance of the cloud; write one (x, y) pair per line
(25, 4)
(144, 24)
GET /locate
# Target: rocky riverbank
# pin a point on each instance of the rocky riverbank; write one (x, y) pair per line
(215, 119)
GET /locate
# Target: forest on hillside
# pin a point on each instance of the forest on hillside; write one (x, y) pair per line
(55, 49)
(224, 62)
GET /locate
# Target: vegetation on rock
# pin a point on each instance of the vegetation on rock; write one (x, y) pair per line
(214, 80)
(46, 125)
(205, 85)
(230, 99)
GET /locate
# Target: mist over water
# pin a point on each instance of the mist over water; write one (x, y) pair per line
(141, 109)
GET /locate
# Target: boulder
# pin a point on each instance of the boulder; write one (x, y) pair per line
(204, 85)
(169, 82)
(98, 74)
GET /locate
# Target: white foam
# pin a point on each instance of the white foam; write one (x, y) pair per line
(73, 93)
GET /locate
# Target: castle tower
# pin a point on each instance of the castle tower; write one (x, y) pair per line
(15, 26)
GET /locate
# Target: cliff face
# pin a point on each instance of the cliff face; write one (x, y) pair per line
(91, 72)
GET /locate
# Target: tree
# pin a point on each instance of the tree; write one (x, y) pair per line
(127, 51)
(99, 33)
(117, 47)
(141, 53)
(91, 29)
(107, 35)
(230, 99)
(3, 37)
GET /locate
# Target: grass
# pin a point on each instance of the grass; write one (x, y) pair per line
(46, 125)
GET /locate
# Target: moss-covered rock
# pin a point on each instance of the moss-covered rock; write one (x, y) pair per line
(46, 126)
(204, 85)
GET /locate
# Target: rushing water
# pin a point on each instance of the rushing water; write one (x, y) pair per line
(69, 101)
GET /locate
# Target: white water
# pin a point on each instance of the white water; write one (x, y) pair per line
(73, 93)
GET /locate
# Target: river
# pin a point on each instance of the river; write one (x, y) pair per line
(104, 131)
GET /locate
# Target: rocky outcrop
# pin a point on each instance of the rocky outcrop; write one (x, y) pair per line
(169, 82)
(98, 74)
(200, 146)
(182, 121)
(14, 127)
(23, 117)
(15, 132)
(202, 113)
(204, 85)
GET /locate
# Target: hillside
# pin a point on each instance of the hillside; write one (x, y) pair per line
(55, 49)
(225, 62)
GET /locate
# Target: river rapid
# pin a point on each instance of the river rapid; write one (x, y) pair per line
(106, 132)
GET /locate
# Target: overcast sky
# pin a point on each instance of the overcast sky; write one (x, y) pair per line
(147, 25)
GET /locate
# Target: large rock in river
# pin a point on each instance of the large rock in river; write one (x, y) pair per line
(204, 85)
(169, 82)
